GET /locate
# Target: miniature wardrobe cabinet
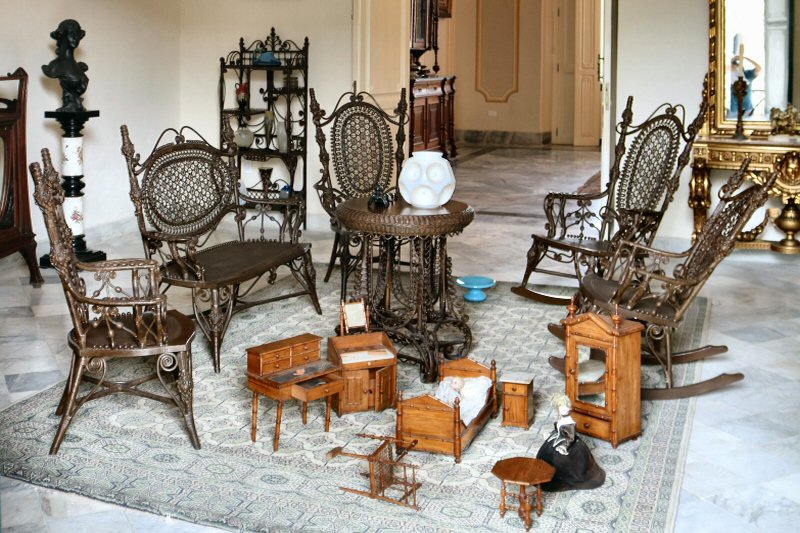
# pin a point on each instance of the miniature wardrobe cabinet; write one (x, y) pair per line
(604, 375)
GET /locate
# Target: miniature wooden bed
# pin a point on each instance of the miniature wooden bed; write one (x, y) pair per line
(437, 426)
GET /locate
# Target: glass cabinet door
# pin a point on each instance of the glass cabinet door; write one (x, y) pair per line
(591, 375)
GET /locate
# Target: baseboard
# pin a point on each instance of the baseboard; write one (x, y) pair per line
(503, 138)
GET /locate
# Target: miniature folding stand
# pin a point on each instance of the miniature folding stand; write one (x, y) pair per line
(384, 470)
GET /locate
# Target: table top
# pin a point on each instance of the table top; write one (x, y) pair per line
(523, 470)
(401, 219)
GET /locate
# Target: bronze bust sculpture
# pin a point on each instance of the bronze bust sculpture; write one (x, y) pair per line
(70, 73)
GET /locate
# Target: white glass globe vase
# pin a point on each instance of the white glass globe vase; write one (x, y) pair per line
(427, 180)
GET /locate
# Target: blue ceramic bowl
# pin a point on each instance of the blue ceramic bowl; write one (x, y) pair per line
(475, 286)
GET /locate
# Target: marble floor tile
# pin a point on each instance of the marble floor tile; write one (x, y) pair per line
(33, 381)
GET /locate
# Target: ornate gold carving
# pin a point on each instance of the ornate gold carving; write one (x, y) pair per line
(785, 121)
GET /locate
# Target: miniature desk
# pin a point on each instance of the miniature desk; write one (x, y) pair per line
(291, 369)
(416, 305)
(523, 471)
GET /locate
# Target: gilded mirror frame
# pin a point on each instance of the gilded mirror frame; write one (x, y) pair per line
(718, 123)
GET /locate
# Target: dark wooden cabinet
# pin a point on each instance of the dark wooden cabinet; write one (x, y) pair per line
(16, 233)
(432, 109)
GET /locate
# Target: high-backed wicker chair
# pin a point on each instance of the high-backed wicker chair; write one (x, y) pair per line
(364, 156)
(124, 316)
(181, 193)
(637, 280)
(583, 227)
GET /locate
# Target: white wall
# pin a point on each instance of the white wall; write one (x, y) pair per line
(131, 49)
(210, 29)
(154, 64)
(662, 57)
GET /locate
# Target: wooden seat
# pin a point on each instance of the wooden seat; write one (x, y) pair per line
(182, 192)
(124, 317)
(637, 281)
(364, 157)
(583, 228)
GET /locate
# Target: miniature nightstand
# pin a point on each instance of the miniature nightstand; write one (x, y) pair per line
(517, 399)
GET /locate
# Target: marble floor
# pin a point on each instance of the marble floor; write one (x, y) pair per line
(742, 470)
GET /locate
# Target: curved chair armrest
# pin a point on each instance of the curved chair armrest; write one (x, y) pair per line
(330, 198)
(570, 212)
(141, 289)
(165, 237)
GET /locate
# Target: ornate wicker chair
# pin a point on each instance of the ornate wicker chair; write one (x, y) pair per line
(117, 320)
(187, 188)
(582, 228)
(364, 157)
(637, 281)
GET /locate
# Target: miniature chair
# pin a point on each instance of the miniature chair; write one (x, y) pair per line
(637, 281)
(384, 471)
(582, 228)
(364, 157)
(187, 189)
(115, 321)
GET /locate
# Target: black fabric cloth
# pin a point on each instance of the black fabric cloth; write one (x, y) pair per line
(575, 471)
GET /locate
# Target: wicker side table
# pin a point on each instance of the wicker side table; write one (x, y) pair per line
(414, 302)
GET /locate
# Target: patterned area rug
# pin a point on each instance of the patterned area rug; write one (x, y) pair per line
(135, 452)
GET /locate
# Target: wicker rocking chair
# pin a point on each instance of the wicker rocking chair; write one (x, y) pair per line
(582, 229)
(637, 281)
(116, 320)
(364, 157)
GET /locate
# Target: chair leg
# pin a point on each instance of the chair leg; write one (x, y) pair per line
(334, 255)
(63, 403)
(214, 323)
(310, 277)
(186, 394)
(70, 407)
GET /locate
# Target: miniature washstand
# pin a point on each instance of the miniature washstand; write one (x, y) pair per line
(368, 361)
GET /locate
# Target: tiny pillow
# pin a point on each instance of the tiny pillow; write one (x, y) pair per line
(473, 395)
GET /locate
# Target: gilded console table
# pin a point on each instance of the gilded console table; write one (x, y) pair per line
(725, 153)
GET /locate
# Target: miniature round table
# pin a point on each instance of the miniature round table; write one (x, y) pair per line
(523, 471)
(414, 300)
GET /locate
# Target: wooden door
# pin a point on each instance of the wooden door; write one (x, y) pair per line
(355, 396)
(384, 387)
(587, 115)
(419, 120)
(381, 48)
(563, 119)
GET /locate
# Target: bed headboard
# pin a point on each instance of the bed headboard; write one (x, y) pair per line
(467, 368)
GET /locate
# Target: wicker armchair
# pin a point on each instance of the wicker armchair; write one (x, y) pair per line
(181, 194)
(582, 229)
(364, 157)
(638, 281)
(116, 320)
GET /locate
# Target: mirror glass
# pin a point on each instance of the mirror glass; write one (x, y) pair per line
(758, 41)
(591, 375)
